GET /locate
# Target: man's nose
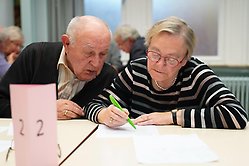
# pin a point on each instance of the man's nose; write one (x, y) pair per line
(96, 61)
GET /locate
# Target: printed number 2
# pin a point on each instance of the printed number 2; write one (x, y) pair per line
(39, 133)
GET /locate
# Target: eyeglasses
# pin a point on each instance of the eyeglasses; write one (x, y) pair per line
(12, 148)
(155, 57)
(17, 44)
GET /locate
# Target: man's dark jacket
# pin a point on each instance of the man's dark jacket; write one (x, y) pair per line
(37, 64)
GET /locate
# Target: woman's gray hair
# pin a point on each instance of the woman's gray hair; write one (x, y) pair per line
(12, 33)
(175, 26)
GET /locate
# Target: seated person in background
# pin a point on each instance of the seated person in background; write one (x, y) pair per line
(11, 41)
(14, 43)
(129, 40)
(77, 66)
(114, 57)
(4, 65)
(169, 87)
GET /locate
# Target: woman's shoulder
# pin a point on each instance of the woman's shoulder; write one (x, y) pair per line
(195, 66)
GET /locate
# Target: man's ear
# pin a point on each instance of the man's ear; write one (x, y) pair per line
(65, 40)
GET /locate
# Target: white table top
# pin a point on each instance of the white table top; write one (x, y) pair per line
(231, 146)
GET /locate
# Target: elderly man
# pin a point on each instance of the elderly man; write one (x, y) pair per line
(129, 40)
(76, 65)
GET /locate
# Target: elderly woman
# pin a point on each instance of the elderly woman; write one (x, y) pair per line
(169, 87)
(13, 43)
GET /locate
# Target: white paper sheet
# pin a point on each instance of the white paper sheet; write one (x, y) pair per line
(126, 131)
(3, 129)
(172, 149)
(10, 130)
(4, 145)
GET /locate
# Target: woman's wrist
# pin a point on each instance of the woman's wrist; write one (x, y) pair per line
(100, 116)
(176, 116)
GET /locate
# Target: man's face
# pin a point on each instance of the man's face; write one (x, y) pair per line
(124, 45)
(86, 55)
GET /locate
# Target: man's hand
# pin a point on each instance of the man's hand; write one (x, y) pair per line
(67, 109)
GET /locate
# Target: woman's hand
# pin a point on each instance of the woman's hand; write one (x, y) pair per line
(112, 116)
(155, 118)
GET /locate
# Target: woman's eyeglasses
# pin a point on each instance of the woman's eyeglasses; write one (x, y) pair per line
(155, 57)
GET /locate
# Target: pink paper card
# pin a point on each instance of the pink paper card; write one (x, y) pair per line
(34, 116)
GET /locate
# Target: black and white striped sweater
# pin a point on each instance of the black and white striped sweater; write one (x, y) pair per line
(205, 100)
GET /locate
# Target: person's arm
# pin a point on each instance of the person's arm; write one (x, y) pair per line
(100, 103)
(4, 65)
(217, 106)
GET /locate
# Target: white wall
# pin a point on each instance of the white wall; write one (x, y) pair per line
(233, 44)
(34, 16)
(6, 13)
(233, 35)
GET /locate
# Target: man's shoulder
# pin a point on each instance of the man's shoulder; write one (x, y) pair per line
(108, 70)
(49, 45)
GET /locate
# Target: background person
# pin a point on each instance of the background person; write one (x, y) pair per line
(14, 43)
(4, 65)
(114, 57)
(76, 65)
(11, 41)
(169, 87)
(129, 40)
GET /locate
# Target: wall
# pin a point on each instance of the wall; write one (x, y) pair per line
(233, 38)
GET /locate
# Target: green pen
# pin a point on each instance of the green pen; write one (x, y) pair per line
(114, 102)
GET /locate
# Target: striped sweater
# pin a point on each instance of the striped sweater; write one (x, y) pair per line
(204, 99)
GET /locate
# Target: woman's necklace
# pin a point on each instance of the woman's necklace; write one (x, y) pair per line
(162, 88)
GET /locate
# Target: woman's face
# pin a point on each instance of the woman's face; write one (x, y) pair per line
(13, 46)
(170, 48)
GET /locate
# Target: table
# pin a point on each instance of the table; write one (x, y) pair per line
(232, 147)
(71, 134)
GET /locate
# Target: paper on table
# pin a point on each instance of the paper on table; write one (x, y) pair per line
(3, 129)
(172, 149)
(126, 131)
(4, 145)
(10, 130)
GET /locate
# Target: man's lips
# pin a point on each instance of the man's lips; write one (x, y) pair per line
(91, 72)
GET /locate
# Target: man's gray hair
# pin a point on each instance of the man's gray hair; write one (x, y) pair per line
(125, 32)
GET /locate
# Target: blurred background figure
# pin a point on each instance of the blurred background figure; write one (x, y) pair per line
(11, 42)
(114, 56)
(4, 65)
(14, 43)
(129, 40)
